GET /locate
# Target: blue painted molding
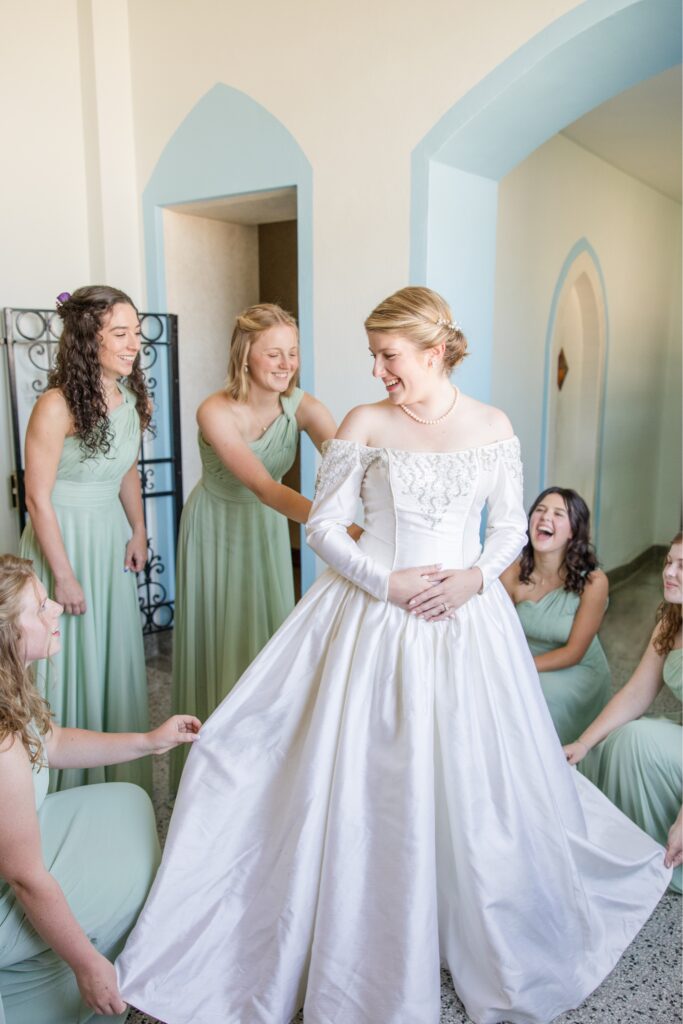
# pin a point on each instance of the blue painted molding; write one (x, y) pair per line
(592, 53)
(579, 247)
(230, 145)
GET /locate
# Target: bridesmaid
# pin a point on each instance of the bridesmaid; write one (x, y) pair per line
(75, 866)
(561, 597)
(86, 534)
(234, 571)
(638, 763)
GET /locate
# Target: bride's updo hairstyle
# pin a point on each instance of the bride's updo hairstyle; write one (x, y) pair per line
(248, 325)
(425, 319)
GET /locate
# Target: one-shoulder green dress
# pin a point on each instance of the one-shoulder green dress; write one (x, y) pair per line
(575, 695)
(234, 583)
(100, 844)
(640, 766)
(98, 679)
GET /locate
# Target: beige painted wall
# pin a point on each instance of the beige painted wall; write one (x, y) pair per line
(105, 83)
(211, 274)
(558, 195)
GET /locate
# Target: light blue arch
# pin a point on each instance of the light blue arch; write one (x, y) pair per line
(592, 53)
(230, 145)
(581, 246)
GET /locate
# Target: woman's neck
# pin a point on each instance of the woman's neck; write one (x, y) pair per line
(548, 566)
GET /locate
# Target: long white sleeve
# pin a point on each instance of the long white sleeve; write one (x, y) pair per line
(507, 523)
(334, 507)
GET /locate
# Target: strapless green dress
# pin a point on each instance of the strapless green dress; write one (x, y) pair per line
(640, 768)
(234, 584)
(575, 695)
(98, 679)
(100, 843)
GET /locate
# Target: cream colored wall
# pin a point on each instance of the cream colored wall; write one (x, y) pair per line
(95, 88)
(558, 195)
(211, 274)
(358, 85)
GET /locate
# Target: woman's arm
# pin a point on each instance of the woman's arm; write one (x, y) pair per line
(21, 865)
(130, 494)
(316, 419)
(510, 580)
(85, 748)
(587, 622)
(629, 703)
(220, 429)
(49, 425)
(674, 845)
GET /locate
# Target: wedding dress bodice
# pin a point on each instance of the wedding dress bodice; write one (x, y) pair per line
(419, 508)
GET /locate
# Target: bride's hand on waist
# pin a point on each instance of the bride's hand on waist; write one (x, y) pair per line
(404, 584)
(449, 589)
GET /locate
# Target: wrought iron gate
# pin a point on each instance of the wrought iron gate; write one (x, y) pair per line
(31, 337)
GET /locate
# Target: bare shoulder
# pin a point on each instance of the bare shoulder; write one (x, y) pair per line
(488, 424)
(597, 584)
(218, 408)
(358, 424)
(52, 407)
(510, 579)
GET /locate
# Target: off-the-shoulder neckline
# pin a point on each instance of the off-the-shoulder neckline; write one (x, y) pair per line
(412, 451)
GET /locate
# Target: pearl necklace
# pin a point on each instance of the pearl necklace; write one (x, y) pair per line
(439, 419)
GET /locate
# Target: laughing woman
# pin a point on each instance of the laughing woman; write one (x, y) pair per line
(561, 597)
(74, 866)
(235, 584)
(86, 534)
(638, 763)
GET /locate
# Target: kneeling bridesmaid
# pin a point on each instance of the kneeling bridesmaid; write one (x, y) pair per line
(75, 866)
(638, 763)
(561, 597)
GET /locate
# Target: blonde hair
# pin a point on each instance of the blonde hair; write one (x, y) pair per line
(22, 709)
(425, 319)
(250, 323)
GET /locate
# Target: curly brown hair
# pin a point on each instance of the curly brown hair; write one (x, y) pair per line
(77, 371)
(22, 709)
(669, 617)
(580, 559)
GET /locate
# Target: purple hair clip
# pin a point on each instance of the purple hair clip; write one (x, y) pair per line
(63, 297)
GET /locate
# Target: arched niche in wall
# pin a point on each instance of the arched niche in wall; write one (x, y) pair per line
(229, 146)
(576, 355)
(592, 53)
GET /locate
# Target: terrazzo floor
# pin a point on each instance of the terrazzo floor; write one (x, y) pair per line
(645, 986)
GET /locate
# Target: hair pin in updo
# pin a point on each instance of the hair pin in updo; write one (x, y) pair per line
(452, 325)
(63, 297)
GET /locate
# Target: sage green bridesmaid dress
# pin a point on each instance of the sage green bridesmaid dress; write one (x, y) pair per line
(234, 582)
(98, 679)
(100, 844)
(574, 695)
(639, 766)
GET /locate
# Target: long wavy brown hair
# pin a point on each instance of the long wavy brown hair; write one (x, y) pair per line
(669, 617)
(22, 709)
(580, 559)
(77, 371)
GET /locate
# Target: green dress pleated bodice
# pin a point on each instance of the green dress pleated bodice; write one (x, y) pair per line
(234, 582)
(98, 679)
(100, 844)
(575, 695)
(639, 766)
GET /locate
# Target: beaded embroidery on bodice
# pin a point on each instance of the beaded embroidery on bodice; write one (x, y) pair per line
(432, 480)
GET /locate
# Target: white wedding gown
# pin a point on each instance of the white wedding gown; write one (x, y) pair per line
(379, 794)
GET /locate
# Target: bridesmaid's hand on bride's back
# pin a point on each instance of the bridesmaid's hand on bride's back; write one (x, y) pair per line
(404, 584)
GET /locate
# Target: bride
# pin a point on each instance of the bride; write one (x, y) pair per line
(384, 788)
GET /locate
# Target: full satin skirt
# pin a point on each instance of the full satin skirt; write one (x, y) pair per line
(378, 794)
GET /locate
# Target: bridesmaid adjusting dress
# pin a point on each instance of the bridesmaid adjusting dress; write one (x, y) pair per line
(638, 764)
(561, 597)
(234, 571)
(84, 500)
